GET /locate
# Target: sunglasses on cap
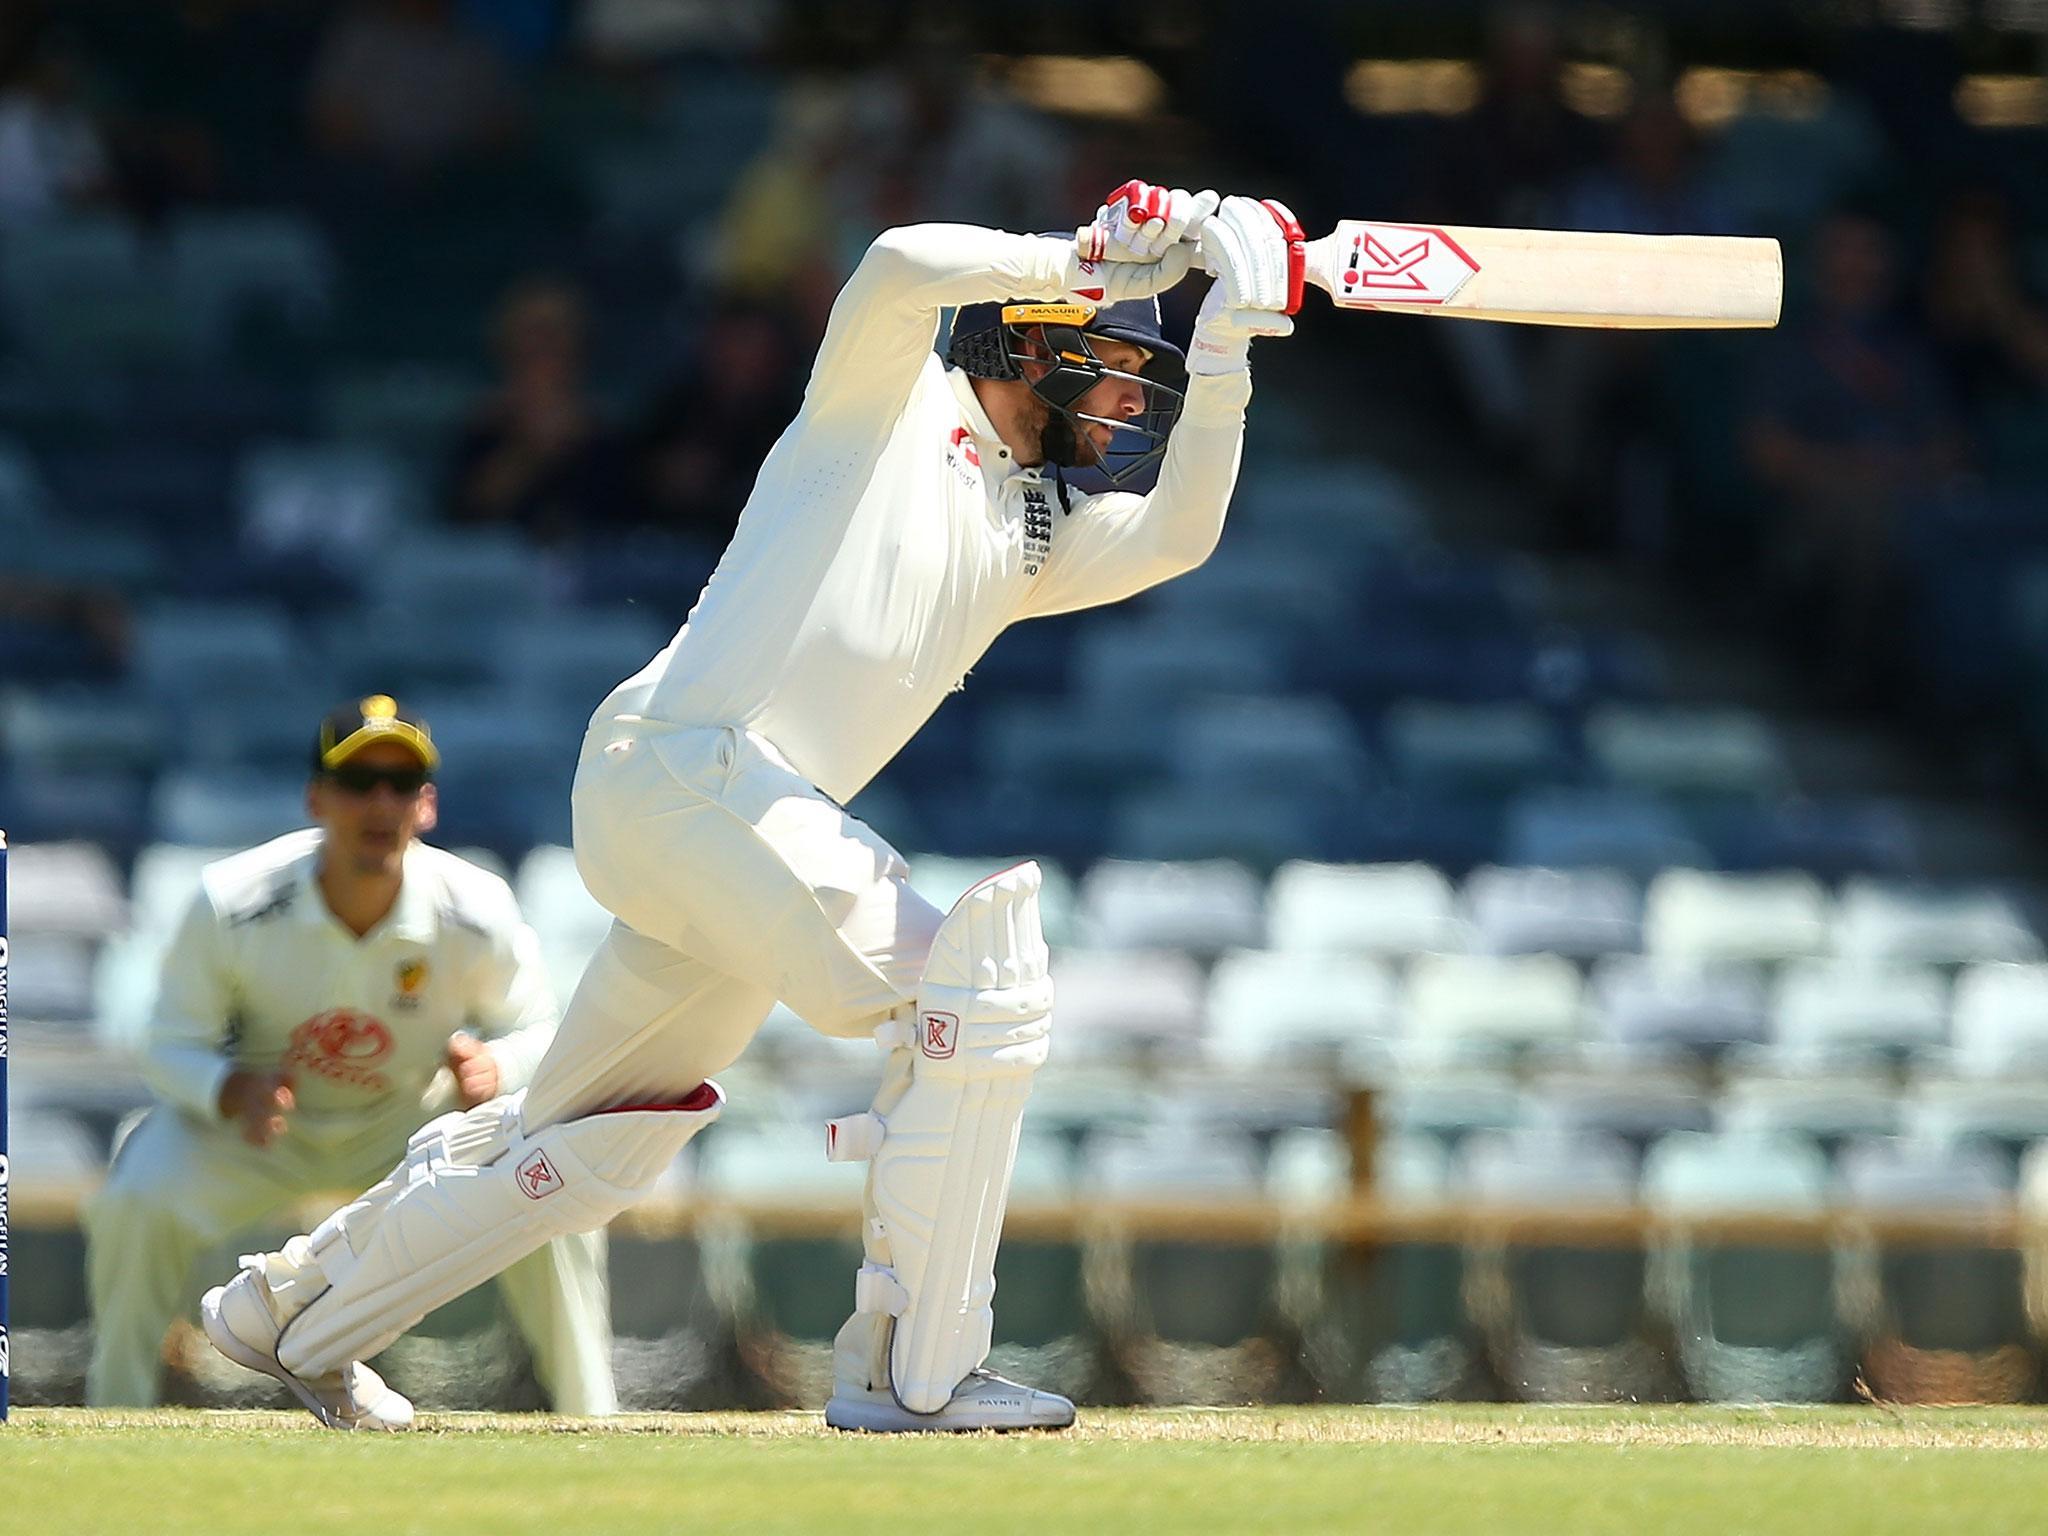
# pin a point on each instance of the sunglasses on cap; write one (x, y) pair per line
(355, 779)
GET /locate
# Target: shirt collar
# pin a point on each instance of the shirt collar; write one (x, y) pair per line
(414, 917)
(997, 461)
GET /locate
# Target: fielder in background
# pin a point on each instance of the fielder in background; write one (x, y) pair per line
(327, 993)
(911, 513)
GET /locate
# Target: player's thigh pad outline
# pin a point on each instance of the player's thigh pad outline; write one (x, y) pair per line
(474, 1193)
(943, 1143)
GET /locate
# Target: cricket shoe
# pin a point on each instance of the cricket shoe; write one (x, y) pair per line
(983, 1401)
(241, 1320)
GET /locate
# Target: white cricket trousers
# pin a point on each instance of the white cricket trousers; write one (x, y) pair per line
(735, 882)
(177, 1188)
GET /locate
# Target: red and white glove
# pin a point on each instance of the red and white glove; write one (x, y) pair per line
(1255, 250)
(1141, 222)
(1223, 335)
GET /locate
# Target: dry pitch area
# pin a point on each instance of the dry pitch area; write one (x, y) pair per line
(1504, 1471)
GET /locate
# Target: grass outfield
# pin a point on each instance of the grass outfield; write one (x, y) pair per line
(1503, 1471)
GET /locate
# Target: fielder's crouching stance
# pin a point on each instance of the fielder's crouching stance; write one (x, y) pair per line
(911, 512)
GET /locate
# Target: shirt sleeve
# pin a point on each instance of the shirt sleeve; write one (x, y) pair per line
(515, 1007)
(886, 317)
(1116, 544)
(185, 1055)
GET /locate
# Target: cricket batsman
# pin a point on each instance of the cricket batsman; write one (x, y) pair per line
(915, 508)
(326, 992)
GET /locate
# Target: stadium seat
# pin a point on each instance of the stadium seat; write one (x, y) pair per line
(1394, 910)
(1188, 1307)
(1491, 1004)
(1569, 1323)
(1389, 1323)
(186, 653)
(578, 657)
(25, 497)
(1447, 747)
(227, 266)
(1146, 670)
(1581, 914)
(1892, 921)
(1205, 907)
(64, 890)
(1646, 1001)
(1301, 747)
(1727, 754)
(1119, 1002)
(226, 808)
(345, 504)
(57, 803)
(80, 725)
(1696, 915)
(1640, 1107)
(1825, 1006)
(2003, 1116)
(1274, 1009)
(1947, 1322)
(1292, 592)
(1753, 1322)
(1599, 829)
(1448, 1104)
(1999, 1018)
(1057, 746)
(1177, 824)
(478, 574)
(49, 978)
(1828, 1110)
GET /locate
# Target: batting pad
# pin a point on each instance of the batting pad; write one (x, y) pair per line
(474, 1194)
(940, 1175)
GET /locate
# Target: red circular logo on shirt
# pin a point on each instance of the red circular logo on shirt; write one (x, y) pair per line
(343, 1046)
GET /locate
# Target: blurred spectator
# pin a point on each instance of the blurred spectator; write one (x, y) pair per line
(705, 437)
(1509, 160)
(400, 86)
(1848, 425)
(1990, 333)
(535, 454)
(1592, 396)
(55, 631)
(52, 153)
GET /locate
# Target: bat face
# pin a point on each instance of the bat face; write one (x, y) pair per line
(1550, 277)
(1387, 264)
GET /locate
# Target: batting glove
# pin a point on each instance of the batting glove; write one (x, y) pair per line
(1254, 248)
(1141, 222)
(1222, 340)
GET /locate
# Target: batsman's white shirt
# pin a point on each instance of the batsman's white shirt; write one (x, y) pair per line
(891, 536)
(262, 974)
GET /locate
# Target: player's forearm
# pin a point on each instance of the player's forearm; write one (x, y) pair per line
(927, 267)
(186, 1076)
(1184, 514)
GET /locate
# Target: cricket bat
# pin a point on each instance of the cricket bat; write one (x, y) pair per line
(1550, 276)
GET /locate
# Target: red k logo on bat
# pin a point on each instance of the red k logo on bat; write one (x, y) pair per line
(940, 1035)
(537, 1177)
(1402, 263)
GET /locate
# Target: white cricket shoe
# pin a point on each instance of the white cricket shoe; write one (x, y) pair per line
(242, 1322)
(983, 1401)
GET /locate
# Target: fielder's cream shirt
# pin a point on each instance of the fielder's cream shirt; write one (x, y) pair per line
(891, 536)
(262, 974)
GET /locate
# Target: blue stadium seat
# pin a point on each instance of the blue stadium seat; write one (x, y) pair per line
(1447, 748)
(1306, 747)
(226, 808)
(1581, 914)
(1173, 823)
(1598, 829)
(1205, 907)
(1753, 1323)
